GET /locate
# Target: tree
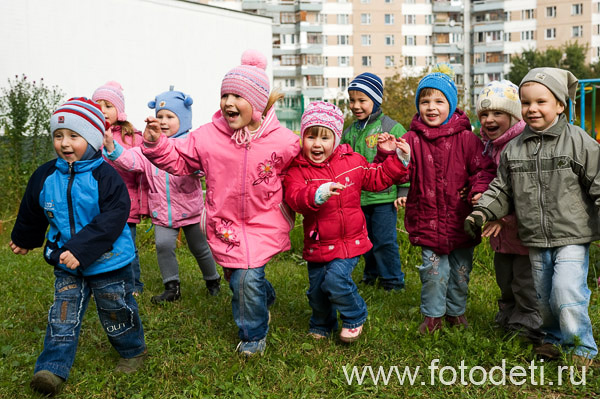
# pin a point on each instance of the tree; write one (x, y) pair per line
(399, 97)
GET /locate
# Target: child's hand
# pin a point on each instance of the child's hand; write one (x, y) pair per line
(403, 145)
(386, 142)
(475, 199)
(152, 131)
(335, 188)
(17, 250)
(400, 202)
(108, 142)
(464, 192)
(326, 190)
(69, 260)
(473, 223)
(492, 229)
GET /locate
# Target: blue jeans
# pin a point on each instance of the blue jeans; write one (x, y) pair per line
(253, 294)
(383, 260)
(117, 310)
(332, 289)
(560, 278)
(445, 282)
(138, 286)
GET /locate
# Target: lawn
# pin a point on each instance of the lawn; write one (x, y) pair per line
(192, 342)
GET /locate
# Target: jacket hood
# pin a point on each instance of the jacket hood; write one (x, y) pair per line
(268, 125)
(80, 166)
(339, 152)
(457, 123)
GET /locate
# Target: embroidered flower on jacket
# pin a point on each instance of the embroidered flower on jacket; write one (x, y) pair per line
(227, 234)
(266, 169)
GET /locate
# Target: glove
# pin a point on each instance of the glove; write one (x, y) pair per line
(323, 193)
(474, 222)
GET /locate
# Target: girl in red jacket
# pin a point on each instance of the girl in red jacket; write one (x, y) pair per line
(324, 183)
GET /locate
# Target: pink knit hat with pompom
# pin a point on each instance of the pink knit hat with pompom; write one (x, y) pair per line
(113, 93)
(249, 81)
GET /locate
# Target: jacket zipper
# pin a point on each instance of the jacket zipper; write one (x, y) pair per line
(541, 186)
(341, 213)
(243, 205)
(70, 199)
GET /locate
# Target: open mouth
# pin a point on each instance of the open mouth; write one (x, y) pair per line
(232, 114)
(492, 129)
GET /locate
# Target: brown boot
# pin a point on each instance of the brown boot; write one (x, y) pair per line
(548, 351)
(457, 321)
(430, 324)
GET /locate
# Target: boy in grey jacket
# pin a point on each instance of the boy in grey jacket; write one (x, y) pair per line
(551, 173)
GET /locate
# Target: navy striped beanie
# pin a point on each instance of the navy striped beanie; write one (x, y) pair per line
(82, 116)
(371, 85)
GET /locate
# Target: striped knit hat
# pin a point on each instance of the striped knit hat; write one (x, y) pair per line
(371, 85)
(113, 93)
(250, 82)
(320, 113)
(82, 116)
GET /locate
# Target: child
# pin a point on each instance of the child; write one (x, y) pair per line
(244, 151)
(445, 157)
(499, 111)
(379, 208)
(175, 202)
(334, 227)
(86, 204)
(550, 172)
(111, 100)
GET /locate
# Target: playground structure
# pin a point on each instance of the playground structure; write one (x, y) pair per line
(586, 87)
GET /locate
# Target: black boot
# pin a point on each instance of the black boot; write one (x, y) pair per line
(172, 293)
(214, 286)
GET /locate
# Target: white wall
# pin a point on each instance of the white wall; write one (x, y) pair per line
(146, 45)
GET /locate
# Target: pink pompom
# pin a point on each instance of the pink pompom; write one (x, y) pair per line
(114, 84)
(254, 58)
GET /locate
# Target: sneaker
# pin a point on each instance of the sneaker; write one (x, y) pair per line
(430, 324)
(131, 365)
(46, 382)
(214, 286)
(349, 335)
(368, 281)
(548, 351)
(172, 293)
(457, 321)
(251, 348)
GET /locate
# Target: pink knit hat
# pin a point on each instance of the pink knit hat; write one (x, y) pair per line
(113, 93)
(249, 81)
(320, 113)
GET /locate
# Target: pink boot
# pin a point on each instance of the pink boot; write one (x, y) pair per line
(457, 321)
(430, 324)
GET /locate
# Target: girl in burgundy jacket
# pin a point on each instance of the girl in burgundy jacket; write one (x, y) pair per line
(324, 183)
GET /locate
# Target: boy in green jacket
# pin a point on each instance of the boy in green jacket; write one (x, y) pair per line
(380, 208)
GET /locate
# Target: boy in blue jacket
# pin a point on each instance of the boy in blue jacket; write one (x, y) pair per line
(86, 204)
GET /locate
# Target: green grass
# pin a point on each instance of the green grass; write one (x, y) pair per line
(192, 342)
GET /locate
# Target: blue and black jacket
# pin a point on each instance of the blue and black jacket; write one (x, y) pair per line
(86, 205)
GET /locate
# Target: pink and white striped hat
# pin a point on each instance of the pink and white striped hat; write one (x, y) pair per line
(321, 113)
(113, 93)
(249, 81)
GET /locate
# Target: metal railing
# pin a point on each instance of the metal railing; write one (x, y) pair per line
(586, 86)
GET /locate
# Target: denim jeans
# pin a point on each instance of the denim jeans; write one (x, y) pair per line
(253, 294)
(560, 278)
(138, 286)
(445, 282)
(331, 289)
(383, 260)
(117, 310)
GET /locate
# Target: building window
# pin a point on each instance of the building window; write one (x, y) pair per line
(598, 28)
(366, 60)
(429, 60)
(343, 83)
(290, 60)
(389, 19)
(551, 12)
(365, 19)
(577, 31)
(391, 1)
(389, 40)
(365, 1)
(290, 83)
(410, 40)
(389, 60)
(527, 14)
(343, 39)
(479, 58)
(365, 40)
(550, 33)
(410, 61)
(429, 19)
(506, 16)
(344, 61)
(527, 35)
(428, 40)
(342, 19)
(410, 19)
(577, 9)
(314, 80)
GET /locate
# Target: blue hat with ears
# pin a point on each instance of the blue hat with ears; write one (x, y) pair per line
(443, 82)
(178, 103)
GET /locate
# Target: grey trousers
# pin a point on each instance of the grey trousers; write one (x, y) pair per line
(166, 239)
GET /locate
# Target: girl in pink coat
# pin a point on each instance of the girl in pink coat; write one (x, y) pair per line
(244, 152)
(324, 183)
(175, 202)
(499, 111)
(111, 100)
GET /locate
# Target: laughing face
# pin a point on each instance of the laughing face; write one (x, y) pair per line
(169, 122)
(494, 123)
(539, 106)
(237, 112)
(317, 143)
(433, 108)
(69, 145)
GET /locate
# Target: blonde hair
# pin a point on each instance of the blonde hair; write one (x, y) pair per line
(275, 96)
(127, 129)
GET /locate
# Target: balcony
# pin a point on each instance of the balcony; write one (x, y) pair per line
(488, 26)
(447, 48)
(311, 70)
(446, 6)
(488, 68)
(447, 27)
(490, 47)
(308, 5)
(483, 5)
